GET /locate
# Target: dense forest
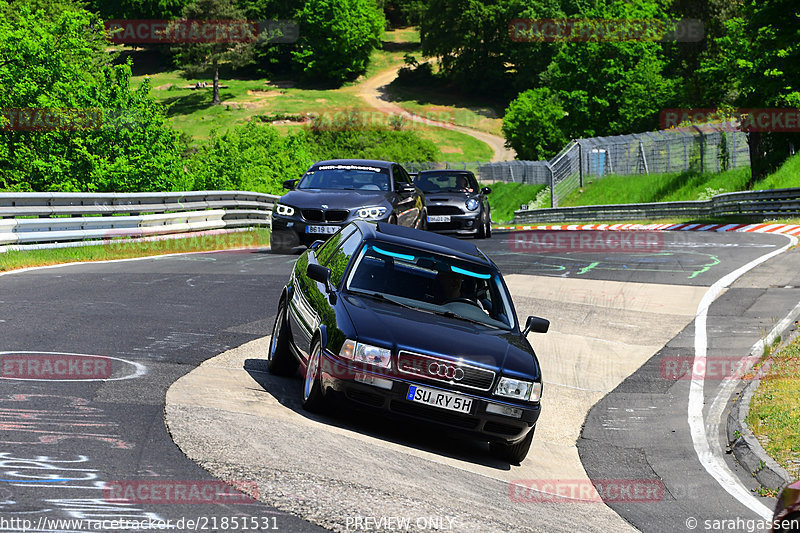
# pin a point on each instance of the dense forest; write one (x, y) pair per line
(55, 54)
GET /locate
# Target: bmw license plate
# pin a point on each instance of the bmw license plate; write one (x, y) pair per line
(325, 230)
(440, 399)
(439, 218)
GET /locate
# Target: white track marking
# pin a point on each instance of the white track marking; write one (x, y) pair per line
(713, 462)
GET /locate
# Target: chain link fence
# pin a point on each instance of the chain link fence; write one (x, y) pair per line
(706, 148)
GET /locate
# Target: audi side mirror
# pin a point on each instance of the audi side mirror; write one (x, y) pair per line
(315, 245)
(535, 324)
(320, 274)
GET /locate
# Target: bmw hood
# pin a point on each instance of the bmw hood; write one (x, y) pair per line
(334, 199)
(385, 324)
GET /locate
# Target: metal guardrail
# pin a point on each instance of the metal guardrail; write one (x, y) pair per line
(774, 203)
(70, 217)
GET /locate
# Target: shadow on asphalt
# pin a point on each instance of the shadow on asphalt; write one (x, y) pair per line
(351, 417)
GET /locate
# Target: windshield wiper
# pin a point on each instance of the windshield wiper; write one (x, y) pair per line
(382, 297)
(451, 314)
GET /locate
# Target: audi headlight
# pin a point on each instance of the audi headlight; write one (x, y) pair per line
(516, 389)
(366, 353)
(472, 204)
(284, 210)
(371, 212)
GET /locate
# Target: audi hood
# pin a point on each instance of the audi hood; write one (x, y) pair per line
(427, 333)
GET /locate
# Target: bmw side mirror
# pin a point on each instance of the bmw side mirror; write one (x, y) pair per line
(289, 184)
(535, 324)
(486, 190)
(407, 188)
(320, 274)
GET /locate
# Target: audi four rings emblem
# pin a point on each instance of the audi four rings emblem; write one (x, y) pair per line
(446, 371)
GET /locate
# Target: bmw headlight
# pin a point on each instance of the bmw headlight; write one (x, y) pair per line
(472, 204)
(366, 353)
(284, 210)
(371, 212)
(529, 391)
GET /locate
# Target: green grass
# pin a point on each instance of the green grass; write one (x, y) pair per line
(507, 197)
(445, 107)
(125, 250)
(774, 414)
(677, 186)
(454, 145)
(655, 187)
(788, 175)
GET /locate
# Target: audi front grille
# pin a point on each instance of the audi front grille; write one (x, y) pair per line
(444, 370)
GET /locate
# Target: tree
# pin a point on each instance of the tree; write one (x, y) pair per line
(252, 157)
(759, 62)
(534, 125)
(336, 38)
(472, 41)
(613, 87)
(72, 122)
(197, 56)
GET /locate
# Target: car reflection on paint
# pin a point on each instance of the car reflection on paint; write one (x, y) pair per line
(412, 324)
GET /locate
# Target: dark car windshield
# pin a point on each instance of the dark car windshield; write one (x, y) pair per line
(433, 283)
(446, 182)
(346, 177)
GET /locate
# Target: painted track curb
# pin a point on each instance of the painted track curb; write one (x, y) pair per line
(788, 229)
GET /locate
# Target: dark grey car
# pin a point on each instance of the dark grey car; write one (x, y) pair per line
(455, 203)
(332, 193)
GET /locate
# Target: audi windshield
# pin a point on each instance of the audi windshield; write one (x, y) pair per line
(433, 283)
(346, 177)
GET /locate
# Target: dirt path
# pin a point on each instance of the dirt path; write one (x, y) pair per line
(374, 91)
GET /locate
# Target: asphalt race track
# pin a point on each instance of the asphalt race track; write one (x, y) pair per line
(616, 318)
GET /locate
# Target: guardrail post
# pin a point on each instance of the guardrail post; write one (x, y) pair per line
(580, 164)
(552, 186)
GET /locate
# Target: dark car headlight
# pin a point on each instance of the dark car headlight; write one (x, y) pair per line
(371, 213)
(366, 353)
(472, 204)
(284, 210)
(516, 389)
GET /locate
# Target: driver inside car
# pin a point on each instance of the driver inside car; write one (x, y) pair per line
(451, 288)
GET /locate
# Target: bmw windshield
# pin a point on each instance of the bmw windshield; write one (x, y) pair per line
(346, 177)
(433, 283)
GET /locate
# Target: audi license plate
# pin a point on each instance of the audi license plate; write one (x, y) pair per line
(439, 218)
(326, 230)
(440, 399)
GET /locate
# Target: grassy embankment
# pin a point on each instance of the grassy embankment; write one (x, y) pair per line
(774, 414)
(120, 249)
(248, 98)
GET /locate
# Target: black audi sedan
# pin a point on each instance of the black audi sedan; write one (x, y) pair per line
(413, 324)
(455, 203)
(332, 193)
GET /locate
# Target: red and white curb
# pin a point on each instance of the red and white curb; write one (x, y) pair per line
(789, 229)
